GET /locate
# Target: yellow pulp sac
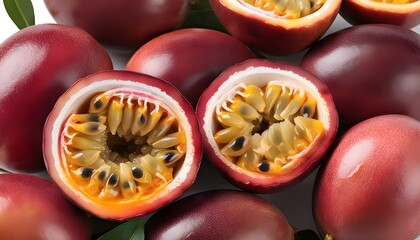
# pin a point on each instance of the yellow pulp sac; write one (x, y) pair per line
(123, 148)
(290, 9)
(261, 129)
(396, 1)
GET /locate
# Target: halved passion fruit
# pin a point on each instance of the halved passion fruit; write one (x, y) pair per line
(405, 13)
(277, 27)
(266, 124)
(122, 144)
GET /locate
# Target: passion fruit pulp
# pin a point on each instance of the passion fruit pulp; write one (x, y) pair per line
(121, 144)
(266, 124)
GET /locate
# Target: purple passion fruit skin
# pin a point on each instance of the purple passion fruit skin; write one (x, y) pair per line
(190, 58)
(368, 188)
(276, 27)
(370, 70)
(34, 208)
(123, 25)
(37, 64)
(266, 124)
(121, 144)
(219, 214)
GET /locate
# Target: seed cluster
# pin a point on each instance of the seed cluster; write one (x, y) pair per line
(124, 147)
(290, 9)
(260, 129)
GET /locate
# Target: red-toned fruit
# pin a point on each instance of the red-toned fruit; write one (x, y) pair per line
(37, 65)
(190, 58)
(370, 70)
(266, 124)
(122, 144)
(120, 24)
(276, 27)
(405, 13)
(34, 208)
(369, 187)
(219, 214)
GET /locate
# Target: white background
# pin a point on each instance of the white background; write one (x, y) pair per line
(295, 202)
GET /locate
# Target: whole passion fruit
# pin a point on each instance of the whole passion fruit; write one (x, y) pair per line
(37, 64)
(121, 144)
(219, 214)
(120, 24)
(370, 70)
(266, 124)
(405, 13)
(277, 27)
(34, 208)
(190, 58)
(369, 187)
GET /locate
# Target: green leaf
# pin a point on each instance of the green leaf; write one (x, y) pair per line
(21, 12)
(201, 15)
(306, 235)
(131, 230)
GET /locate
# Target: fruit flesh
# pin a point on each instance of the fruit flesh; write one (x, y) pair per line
(287, 8)
(261, 129)
(124, 148)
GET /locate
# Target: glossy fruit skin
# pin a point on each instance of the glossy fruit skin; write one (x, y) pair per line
(370, 70)
(190, 59)
(34, 208)
(259, 182)
(37, 65)
(128, 210)
(273, 35)
(121, 24)
(219, 214)
(365, 12)
(368, 188)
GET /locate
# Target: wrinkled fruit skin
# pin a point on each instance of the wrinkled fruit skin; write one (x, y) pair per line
(260, 182)
(37, 65)
(34, 208)
(104, 81)
(219, 214)
(368, 189)
(274, 35)
(368, 12)
(190, 59)
(370, 70)
(123, 25)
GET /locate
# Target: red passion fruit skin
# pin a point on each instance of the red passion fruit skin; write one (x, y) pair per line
(368, 188)
(270, 33)
(370, 69)
(123, 25)
(260, 72)
(189, 58)
(219, 214)
(34, 208)
(141, 85)
(37, 64)
(367, 12)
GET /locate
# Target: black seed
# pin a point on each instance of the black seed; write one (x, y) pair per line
(238, 143)
(142, 119)
(137, 172)
(97, 104)
(93, 127)
(126, 185)
(312, 3)
(306, 111)
(169, 157)
(102, 176)
(264, 166)
(86, 172)
(113, 179)
(94, 118)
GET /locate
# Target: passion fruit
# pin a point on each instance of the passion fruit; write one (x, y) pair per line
(371, 70)
(190, 58)
(219, 214)
(266, 124)
(277, 27)
(405, 13)
(34, 208)
(368, 188)
(123, 25)
(37, 64)
(122, 144)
